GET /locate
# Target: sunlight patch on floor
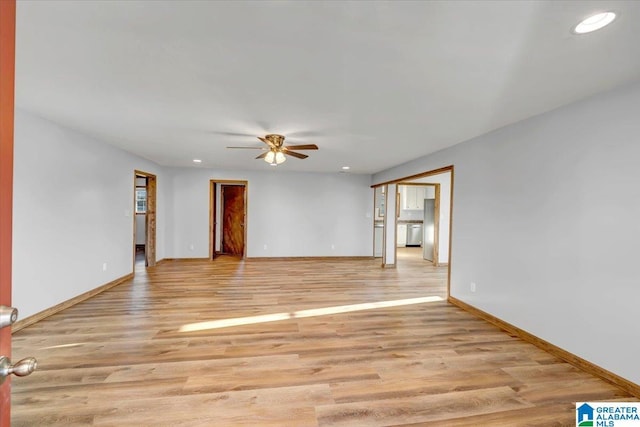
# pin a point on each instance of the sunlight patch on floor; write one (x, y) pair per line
(239, 321)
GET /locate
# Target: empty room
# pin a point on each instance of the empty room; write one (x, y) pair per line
(319, 213)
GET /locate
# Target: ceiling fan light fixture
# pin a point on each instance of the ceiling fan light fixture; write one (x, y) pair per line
(270, 157)
(280, 158)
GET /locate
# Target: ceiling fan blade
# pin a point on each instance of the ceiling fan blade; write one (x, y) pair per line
(302, 147)
(250, 148)
(262, 156)
(294, 154)
(266, 141)
(231, 133)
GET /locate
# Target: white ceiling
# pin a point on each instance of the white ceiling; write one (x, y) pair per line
(374, 84)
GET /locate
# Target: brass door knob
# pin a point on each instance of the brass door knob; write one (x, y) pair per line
(21, 369)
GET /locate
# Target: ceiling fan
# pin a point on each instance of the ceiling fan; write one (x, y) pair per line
(276, 151)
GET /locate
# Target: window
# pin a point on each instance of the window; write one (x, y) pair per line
(141, 200)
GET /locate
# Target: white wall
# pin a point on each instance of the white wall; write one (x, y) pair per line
(141, 230)
(293, 214)
(390, 229)
(546, 221)
(73, 211)
(141, 233)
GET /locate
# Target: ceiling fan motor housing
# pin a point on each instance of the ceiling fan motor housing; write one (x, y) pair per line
(275, 139)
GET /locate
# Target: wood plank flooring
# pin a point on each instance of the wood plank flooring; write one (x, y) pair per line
(123, 358)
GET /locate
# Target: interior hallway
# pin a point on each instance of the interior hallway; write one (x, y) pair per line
(121, 358)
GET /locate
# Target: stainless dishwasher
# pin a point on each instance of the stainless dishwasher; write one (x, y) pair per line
(414, 234)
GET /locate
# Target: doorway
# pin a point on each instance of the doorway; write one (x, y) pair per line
(144, 221)
(418, 220)
(439, 249)
(228, 218)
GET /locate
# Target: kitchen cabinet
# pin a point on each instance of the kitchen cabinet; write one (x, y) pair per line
(401, 235)
(413, 197)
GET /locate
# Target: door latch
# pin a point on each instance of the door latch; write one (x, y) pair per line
(8, 316)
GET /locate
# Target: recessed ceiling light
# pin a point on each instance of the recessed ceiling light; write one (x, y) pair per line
(346, 168)
(197, 161)
(594, 22)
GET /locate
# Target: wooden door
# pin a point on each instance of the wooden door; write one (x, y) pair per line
(150, 223)
(233, 219)
(7, 74)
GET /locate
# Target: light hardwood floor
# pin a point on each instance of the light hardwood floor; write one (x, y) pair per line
(121, 358)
